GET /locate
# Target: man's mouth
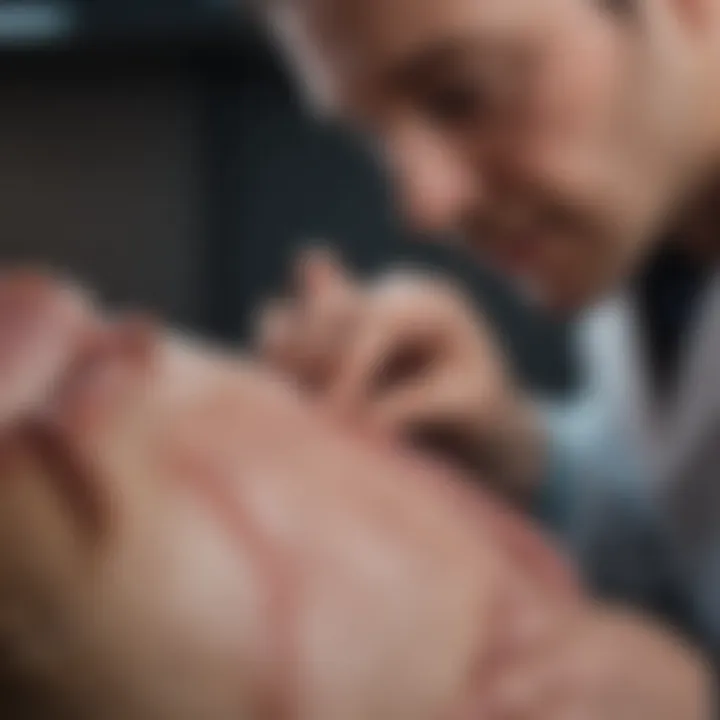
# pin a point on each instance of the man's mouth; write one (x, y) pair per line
(519, 255)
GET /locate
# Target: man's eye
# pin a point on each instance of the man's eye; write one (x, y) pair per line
(455, 104)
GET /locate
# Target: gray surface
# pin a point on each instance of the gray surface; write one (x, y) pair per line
(186, 184)
(97, 177)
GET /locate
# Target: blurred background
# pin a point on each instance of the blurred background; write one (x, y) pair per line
(156, 150)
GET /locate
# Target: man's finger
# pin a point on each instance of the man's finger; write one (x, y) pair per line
(396, 342)
(360, 364)
(385, 350)
(410, 407)
(275, 330)
(317, 270)
(329, 305)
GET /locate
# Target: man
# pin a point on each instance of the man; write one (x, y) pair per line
(576, 145)
(183, 536)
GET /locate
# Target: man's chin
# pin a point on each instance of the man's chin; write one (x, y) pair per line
(561, 299)
(544, 298)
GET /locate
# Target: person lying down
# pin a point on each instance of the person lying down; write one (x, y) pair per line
(184, 537)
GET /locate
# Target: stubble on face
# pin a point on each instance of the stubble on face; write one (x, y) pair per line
(576, 174)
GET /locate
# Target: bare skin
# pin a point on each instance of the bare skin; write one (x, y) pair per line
(407, 356)
(563, 140)
(183, 535)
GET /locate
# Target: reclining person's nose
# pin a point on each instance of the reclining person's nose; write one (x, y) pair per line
(40, 323)
(32, 305)
(25, 304)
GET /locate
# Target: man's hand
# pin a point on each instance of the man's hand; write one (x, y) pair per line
(406, 354)
(601, 664)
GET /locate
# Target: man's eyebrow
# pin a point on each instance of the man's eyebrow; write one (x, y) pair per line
(404, 75)
(428, 64)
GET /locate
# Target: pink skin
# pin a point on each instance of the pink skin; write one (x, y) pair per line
(214, 547)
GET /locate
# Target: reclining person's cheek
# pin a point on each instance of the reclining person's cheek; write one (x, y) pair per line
(355, 571)
(184, 614)
(266, 562)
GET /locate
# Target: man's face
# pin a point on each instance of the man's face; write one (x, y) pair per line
(556, 136)
(182, 536)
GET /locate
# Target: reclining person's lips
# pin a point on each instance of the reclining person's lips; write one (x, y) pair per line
(43, 326)
(56, 357)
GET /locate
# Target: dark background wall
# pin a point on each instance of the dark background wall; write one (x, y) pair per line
(155, 149)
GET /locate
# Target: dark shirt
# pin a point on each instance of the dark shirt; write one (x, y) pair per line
(668, 293)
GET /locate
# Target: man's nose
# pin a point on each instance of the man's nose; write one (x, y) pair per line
(436, 186)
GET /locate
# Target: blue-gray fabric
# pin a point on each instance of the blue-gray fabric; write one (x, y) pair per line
(595, 501)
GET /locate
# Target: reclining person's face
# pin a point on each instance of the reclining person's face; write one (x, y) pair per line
(182, 537)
